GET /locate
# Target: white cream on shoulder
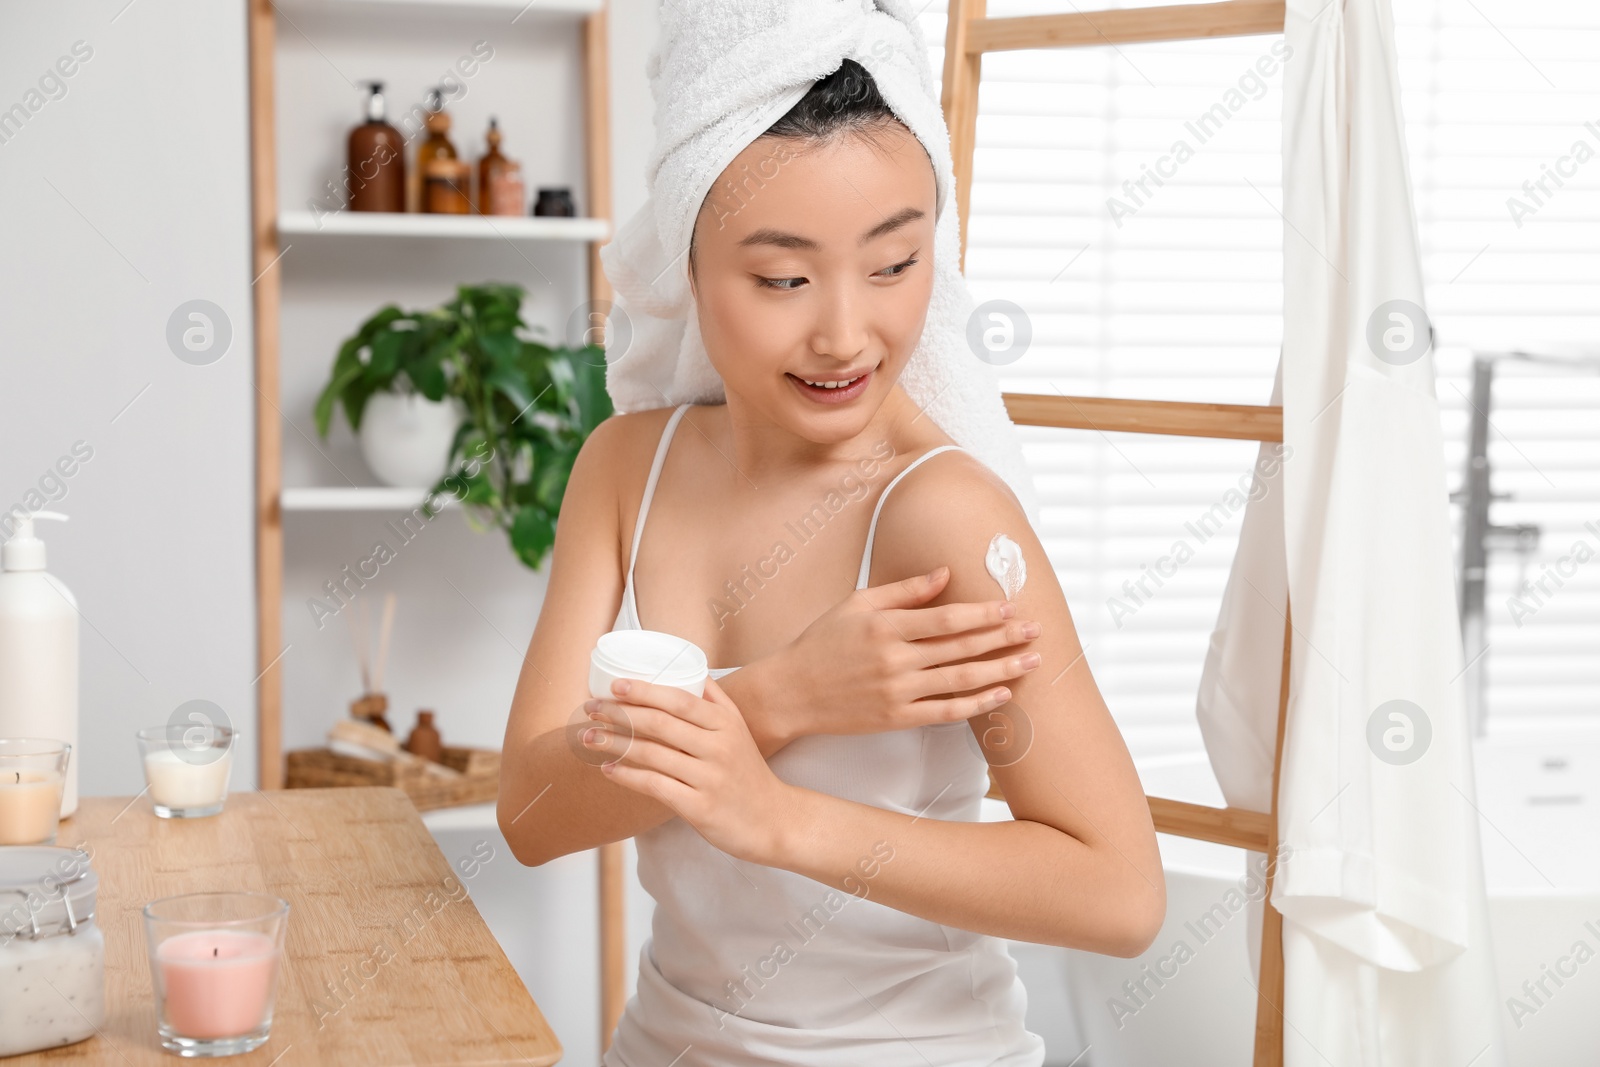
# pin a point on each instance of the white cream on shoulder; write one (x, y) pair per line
(1006, 565)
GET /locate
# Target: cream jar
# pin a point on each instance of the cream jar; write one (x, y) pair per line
(647, 655)
(52, 952)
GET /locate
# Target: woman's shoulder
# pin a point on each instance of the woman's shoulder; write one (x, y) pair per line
(622, 433)
(951, 503)
(953, 478)
(609, 475)
(617, 454)
(623, 445)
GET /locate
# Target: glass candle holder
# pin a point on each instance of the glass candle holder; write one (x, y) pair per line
(186, 768)
(33, 772)
(214, 962)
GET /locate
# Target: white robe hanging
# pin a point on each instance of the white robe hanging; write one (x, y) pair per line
(1387, 956)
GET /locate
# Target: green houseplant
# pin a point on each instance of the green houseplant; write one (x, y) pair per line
(528, 406)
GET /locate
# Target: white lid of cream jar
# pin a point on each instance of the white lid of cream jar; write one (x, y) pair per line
(649, 655)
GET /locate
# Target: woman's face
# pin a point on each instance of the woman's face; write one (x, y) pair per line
(815, 262)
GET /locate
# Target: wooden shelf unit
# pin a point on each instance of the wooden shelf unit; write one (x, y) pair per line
(275, 229)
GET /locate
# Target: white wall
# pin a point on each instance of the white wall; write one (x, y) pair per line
(633, 33)
(126, 196)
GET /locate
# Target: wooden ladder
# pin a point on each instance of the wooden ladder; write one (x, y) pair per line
(968, 36)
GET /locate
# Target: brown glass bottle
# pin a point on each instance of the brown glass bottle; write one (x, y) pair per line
(425, 740)
(445, 187)
(437, 144)
(376, 155)
(500, 190)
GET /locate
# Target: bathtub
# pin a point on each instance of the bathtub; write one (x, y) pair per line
(1540, 834)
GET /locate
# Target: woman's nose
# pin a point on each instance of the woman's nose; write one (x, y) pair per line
(841, 331)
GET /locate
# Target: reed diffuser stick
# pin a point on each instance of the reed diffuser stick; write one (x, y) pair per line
(384, 633)
(360, 646)
(366, 647)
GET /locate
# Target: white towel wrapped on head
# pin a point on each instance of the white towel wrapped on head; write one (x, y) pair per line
(721, 73)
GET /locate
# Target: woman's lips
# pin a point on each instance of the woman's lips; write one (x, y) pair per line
(841, 395)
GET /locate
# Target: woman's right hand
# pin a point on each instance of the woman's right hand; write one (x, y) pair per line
(877, 662)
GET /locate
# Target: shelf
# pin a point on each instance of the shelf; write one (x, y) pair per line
(355, 498)
(516, 9)
(469, 227)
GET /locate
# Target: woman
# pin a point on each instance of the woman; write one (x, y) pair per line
(807, 829)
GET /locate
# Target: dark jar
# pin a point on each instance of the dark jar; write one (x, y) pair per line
(556, 200)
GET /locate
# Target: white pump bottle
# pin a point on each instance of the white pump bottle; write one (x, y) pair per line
(38, 650)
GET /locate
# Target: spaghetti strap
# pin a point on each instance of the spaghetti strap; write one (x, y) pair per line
(866, 555)
(628, 613)
(650, 487)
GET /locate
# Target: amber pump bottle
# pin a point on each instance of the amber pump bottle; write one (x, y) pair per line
(376, 160)
(500, 188)
(437, 145)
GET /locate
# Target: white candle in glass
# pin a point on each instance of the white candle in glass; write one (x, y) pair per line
(176, 782)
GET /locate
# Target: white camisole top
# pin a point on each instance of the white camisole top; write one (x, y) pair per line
(750, 965)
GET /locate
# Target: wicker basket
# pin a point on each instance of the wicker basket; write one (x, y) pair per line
(478, 782)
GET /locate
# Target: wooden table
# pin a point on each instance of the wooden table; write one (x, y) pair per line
(387, 959)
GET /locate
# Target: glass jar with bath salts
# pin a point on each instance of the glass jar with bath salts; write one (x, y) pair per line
(52, 952)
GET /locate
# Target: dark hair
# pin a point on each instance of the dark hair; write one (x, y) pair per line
(846, 102)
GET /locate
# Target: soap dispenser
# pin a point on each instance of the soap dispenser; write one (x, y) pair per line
(376, 160)
(38, 648)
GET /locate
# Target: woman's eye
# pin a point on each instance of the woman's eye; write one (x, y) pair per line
(899, 268)
(789, 285)
(781, 284)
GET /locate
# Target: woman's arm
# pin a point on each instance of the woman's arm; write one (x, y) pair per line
(892, 664)
(1079, 865)
(1018, 880)
(551, 801)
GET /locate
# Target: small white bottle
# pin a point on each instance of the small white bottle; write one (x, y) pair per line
(38, 649)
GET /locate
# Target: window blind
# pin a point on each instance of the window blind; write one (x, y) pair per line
(1497, 96)
(1127, 198)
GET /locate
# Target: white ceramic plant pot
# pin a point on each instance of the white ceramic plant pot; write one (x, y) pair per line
(405, 438)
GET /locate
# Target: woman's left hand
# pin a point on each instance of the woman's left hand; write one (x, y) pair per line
(697, 756)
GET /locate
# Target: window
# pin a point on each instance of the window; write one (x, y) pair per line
(1128, 199)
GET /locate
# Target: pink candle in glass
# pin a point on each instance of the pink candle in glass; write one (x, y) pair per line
(218, 983)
